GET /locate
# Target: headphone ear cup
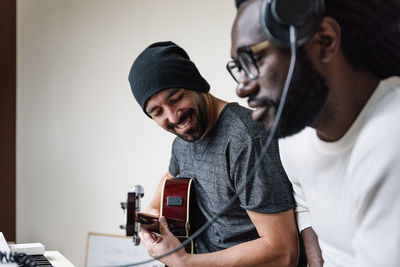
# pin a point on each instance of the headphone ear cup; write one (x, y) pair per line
(278, 15)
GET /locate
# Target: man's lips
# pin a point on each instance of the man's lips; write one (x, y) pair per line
(185, 124)
(259, 113)
(264, 102)
(262, 108)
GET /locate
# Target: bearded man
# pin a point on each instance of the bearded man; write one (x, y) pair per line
(346, 90)
(217, 145)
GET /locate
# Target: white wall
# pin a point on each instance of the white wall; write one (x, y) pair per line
(82, 141)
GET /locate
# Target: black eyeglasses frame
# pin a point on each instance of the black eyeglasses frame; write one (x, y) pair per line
(249, 52)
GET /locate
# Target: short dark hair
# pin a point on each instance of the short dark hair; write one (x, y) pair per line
(370, 34)
(238, 3)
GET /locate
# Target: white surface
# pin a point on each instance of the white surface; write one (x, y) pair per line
(28, 248)
(57, 259)
(109, 250)
(82, 141)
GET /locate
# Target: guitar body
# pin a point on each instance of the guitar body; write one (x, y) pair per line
(175, 207)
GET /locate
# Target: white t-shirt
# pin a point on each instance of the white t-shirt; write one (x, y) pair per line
(349, 190)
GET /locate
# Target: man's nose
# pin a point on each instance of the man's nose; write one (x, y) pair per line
(246, 86)
(172, 115)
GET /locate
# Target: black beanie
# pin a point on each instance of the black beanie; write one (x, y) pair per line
(163, 65)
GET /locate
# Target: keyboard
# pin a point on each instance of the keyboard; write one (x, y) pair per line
(40, 260)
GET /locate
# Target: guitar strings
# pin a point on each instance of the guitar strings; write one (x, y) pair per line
(293, 44)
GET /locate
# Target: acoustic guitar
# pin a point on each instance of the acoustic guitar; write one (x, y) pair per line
(175, 206)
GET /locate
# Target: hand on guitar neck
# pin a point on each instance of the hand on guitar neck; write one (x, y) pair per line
(148, 221)
(151, 223)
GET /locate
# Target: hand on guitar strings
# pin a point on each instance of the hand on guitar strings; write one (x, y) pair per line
(148, 221)
(157, 245)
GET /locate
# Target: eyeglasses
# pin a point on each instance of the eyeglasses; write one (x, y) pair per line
(246, 61)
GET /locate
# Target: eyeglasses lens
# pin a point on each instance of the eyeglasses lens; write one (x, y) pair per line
(248, 65)
(234, 70)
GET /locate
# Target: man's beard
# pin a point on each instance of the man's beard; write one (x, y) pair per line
(306, 96)
(201, 114)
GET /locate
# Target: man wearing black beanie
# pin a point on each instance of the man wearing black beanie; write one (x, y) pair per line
(217, 145)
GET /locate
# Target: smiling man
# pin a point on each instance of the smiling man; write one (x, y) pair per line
(217, 145)
(346, 90)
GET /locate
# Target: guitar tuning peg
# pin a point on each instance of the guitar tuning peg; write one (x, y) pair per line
(122, 227)
(138, 190)
(123, 205)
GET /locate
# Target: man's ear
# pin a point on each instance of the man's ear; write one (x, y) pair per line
(326, 41)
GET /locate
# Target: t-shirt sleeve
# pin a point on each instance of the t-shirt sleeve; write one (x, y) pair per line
(291, 166)
(302, 212)
(268, 190)
(173, 163)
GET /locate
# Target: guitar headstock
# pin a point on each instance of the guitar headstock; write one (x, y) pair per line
(131, 207)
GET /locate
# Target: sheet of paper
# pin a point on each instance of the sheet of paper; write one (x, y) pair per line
(112, 250)
(5, 249)
(3, 244)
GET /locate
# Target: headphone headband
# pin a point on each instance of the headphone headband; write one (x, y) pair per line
(278, 15)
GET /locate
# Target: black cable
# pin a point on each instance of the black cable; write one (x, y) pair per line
(293, 44)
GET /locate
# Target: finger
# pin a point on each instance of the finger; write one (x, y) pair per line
(150, 242)
(151, 227)
(156, 238)
(164, 230)
(144, 235)
(144, 230)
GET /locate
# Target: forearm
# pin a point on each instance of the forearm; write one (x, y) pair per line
(154, 206)
(258, 252)
(276, 246)
(313, 251)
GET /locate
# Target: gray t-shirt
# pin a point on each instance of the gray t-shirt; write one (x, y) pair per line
(219, 163)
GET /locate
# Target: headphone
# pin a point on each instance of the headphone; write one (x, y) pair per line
(278, 15)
